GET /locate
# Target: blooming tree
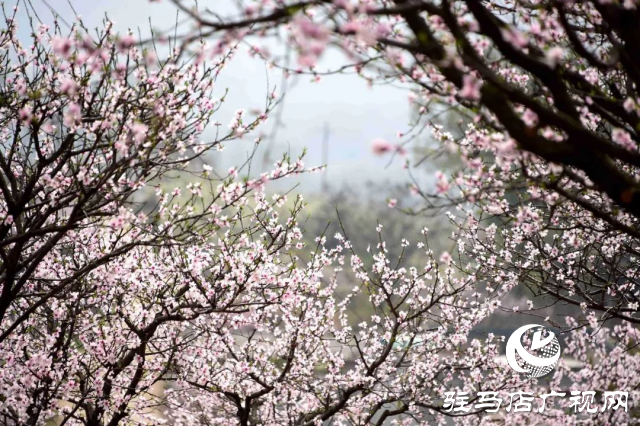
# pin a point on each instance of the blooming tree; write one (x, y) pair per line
(549, 86)
(547, 195)
(207, 307)
(557, 77)
(86, 123)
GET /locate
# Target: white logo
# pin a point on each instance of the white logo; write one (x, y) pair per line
(543, 355)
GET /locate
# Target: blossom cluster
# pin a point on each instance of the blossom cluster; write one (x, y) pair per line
(206, 305)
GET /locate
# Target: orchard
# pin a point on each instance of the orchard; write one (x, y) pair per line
(127, 300)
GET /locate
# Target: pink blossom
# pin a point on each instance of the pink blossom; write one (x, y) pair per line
(442, 183)
(72, 115)
(139, 132)
(380, 146)
(629, 104)
(530, 118)
(470, 87)
(126, 42)
(68, 86)
(224, 295)
(310, 29)
(554, 56)
(535, 28)
(515, 37)
(622, 137)
(312, 39)
(61, 46)
(382, 30)
(25, 114)
(48, 127)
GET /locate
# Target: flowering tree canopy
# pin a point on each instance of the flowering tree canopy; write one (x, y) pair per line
(558, 77)
(204, 306)
(551, 90)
